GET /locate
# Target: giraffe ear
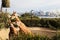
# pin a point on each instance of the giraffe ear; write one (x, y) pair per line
(5, 3)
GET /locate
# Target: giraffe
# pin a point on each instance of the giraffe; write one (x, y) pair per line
(20, 25)
(13, 31)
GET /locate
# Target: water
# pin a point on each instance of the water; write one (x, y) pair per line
(48, 17)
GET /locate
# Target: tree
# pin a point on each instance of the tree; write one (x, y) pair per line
(28, 16)
(5, 3)
(4, 19)
(25, 15)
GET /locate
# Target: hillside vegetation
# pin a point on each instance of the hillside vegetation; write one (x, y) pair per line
(34, 21)
(52, 23)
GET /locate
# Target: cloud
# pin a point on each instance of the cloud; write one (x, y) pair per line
(24, 5)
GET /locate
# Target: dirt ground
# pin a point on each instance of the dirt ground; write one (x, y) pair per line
(36, 30)
(43, 31)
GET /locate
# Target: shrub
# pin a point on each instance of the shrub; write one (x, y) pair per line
(52, 23)
(1, 25)
(57, 37)
(30, 37)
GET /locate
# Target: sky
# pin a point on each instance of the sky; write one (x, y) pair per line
(37, 5)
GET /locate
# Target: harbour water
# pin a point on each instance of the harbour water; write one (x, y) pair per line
(48, 17)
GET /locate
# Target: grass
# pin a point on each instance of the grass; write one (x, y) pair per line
(29, 37)
(36, 37)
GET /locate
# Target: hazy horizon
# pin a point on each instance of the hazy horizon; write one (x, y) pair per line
(27, 5)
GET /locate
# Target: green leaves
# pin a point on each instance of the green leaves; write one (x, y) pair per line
(4, 19)
(5, 3)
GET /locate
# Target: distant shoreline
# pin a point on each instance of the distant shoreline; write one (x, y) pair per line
(47, 17)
